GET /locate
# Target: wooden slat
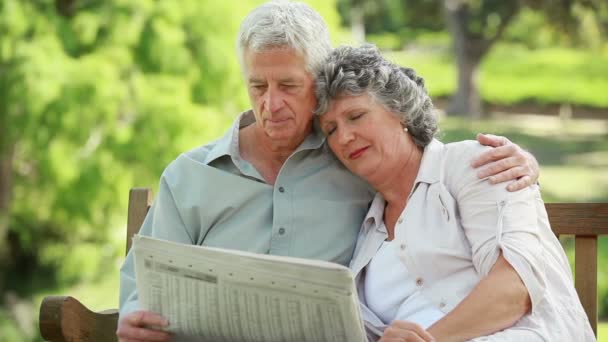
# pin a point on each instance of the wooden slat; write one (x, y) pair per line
(65, 319)
(140, 200)
(582, 219)
(585, 277)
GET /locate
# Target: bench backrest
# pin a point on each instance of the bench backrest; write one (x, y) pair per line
(586, 221)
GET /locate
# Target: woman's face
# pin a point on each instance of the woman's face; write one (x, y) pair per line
(366, 137)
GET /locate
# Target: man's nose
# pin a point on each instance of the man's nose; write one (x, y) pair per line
(273, 100)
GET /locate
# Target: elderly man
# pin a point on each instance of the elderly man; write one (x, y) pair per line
(269, 185)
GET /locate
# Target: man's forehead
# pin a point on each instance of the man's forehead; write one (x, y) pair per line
(281, 64)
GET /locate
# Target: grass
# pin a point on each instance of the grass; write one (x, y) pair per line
(602, 332)
(573, 154)
(512, 73)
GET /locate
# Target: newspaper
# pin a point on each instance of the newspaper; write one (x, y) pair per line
(214, 294)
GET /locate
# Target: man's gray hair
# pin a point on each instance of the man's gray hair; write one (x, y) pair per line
(350, 71)
(284, 24)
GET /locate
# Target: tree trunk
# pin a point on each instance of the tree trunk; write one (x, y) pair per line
(357, 22)
(468, 51)
(6, 173)
(467, 100)
(7, 155)
(469, 48)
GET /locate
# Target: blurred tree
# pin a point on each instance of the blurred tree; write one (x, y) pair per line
(97, 96)
(475, 25)
(380, 16)
(91, 94)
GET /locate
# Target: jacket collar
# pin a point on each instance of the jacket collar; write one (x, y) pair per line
(429, 172)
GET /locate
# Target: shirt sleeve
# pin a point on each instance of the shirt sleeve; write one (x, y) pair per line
(163, 221)
(495, 220)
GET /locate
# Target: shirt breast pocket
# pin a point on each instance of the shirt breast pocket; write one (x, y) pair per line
(450, 237)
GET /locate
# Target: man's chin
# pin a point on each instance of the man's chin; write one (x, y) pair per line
(282, 134)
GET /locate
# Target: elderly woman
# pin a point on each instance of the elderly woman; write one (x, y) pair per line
(442, 255)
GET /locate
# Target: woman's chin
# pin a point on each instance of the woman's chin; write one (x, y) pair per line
(364, 172)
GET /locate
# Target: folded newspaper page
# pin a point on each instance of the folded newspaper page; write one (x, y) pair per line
(213, 294)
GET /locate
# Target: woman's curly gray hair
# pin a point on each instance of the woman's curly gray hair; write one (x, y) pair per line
(351, 71)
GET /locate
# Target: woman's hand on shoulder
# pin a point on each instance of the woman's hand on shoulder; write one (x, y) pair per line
(506, 162)
(405, 331)
(142, 326)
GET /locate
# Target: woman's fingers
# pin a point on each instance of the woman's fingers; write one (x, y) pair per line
(406, 331)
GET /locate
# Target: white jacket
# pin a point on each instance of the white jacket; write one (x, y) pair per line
(451, 233)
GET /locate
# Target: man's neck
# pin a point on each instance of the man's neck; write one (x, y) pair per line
(266, 155)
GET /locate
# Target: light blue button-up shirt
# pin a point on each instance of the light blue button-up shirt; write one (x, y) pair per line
(211, 196)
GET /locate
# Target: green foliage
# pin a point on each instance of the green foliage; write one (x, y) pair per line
(531, 21)
(394, 15)
(385, 41)
(551, 75)
(512, 74)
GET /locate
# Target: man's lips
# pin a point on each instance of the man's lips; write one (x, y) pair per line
(277, 121)
(357, 153)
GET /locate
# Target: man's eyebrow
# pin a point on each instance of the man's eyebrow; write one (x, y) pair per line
(289, 80)
(255, 80)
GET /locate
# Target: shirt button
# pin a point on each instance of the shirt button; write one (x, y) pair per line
(400, 220)
(281, 231)
(402, 246)
(281, 189)
(442, 305)
(419, 282)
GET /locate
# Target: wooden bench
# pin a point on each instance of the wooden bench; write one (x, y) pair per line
(64, 318)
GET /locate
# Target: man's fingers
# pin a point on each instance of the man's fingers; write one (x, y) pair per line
(145, 318)
(143, 334)
(512, 174)
(519, 184)
(518, 165)
(492, 140)
(494, 154)
(139, 326)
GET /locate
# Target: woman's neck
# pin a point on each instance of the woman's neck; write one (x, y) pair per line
(397, 187)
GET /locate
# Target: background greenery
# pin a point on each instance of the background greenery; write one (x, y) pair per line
(99, 96)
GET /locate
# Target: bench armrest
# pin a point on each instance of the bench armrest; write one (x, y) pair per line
(64, 318)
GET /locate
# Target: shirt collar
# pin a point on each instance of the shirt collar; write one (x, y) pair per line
(429, 172)
(228, 145)
(375, 214)
(430, 165)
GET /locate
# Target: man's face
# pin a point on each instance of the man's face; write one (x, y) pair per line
(281, 92)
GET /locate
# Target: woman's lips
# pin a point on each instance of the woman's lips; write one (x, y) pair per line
(357, 153)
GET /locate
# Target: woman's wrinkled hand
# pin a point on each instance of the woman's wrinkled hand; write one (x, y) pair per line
(404, 331)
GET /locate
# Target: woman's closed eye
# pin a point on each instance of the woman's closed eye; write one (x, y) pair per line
(330, 130)
(356, 116)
